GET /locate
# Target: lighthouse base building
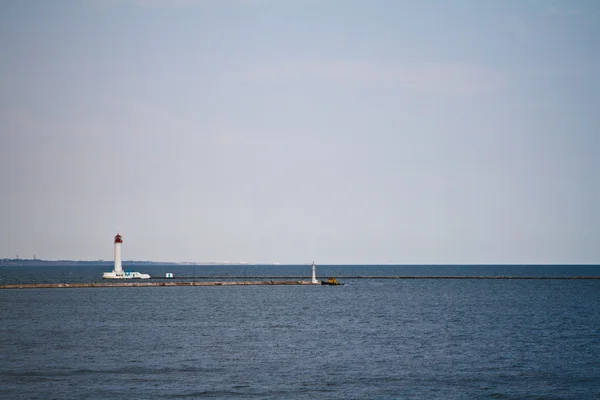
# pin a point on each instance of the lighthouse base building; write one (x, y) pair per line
(124, 275)
(117, 272)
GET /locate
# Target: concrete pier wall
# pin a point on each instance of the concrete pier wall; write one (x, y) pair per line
(168, 282)
(145, 284)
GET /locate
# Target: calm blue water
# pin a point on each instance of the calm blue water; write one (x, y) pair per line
(93, 273)
(370, 339)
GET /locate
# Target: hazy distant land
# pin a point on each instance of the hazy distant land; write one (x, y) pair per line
(5, 262)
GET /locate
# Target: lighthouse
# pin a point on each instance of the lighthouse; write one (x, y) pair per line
(117, 272)
(118, 267)
(314, 273)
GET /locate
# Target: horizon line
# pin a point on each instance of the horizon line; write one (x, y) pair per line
(6, 259)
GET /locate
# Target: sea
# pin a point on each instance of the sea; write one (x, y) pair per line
(379, 336)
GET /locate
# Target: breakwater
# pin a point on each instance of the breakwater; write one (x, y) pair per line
(346, 277)
(198, 281)
(145, 284)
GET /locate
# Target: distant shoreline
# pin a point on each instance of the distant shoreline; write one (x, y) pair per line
(38, 263)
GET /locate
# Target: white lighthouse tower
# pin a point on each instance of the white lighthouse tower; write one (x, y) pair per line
(118, 269)
(117, 272)
(314, 273)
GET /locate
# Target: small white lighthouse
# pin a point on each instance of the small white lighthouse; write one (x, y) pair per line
(117, 272)
(314, 273)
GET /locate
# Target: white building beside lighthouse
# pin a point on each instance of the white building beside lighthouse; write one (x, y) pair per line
(117, 272)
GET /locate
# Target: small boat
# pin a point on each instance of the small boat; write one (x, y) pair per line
(331, 281)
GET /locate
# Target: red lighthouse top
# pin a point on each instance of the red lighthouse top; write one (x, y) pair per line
(118, 239)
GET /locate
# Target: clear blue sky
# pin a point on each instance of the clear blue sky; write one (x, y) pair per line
(292, 131)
